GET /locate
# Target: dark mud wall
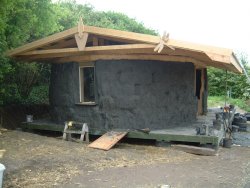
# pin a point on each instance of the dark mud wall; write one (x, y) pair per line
(129, 94)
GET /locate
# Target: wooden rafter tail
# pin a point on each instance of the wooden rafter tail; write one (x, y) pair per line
(81, 37)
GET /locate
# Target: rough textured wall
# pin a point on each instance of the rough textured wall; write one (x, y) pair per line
(130, 94)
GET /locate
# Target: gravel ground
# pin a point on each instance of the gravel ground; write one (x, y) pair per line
(33, 160)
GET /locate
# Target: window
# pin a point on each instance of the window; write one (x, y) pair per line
(87, 84)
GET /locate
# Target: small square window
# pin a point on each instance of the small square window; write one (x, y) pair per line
(87, 84)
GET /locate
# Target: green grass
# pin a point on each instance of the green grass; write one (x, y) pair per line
(215, 101)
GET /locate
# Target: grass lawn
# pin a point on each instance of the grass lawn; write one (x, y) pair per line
(214, 101)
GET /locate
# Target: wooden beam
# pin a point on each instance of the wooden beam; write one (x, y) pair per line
(90, 49)
(87, 58)
(232, 68)
(114, 49)
(42, 42)
(181, 59)
(225, 59)
(122, 34)
(218, 57)
(117, 49)
(131, 49)
(38, 55)
(199, 47)
(50, 51)
(234, 61)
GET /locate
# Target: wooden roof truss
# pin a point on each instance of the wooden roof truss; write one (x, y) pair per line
(87, 43)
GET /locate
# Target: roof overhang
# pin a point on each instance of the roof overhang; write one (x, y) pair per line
(87, 43)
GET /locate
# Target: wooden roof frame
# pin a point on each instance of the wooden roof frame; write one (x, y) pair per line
(136, 45)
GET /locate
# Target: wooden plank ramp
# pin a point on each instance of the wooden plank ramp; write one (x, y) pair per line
(108, 140)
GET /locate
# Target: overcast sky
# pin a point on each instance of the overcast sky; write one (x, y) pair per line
(223, 23)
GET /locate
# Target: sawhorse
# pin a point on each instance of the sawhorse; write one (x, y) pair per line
(71, 128)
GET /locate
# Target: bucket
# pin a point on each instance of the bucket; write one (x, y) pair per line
(2, 168)
(29, 118)
(227, 142)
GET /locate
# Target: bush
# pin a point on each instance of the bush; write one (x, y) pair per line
(38, 95)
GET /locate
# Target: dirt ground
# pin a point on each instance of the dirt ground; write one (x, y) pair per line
(33, 160)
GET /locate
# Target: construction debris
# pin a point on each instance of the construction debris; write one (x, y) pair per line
(146, 130)
(247, 115)
(196, 150)
(241, 121)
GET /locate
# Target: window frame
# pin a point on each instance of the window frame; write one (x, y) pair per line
(81, 83)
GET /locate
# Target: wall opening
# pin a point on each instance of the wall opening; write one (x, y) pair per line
(198, 83)
(201, 87)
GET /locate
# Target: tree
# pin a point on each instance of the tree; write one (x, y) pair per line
(69, 13)
(23, 21)
(237, 83)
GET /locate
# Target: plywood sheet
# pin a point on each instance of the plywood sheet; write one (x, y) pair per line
(108, 140)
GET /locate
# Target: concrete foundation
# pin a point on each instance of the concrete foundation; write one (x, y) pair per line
(129, 94)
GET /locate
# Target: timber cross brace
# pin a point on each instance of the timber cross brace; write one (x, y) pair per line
(81, 37)
(163, 41)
